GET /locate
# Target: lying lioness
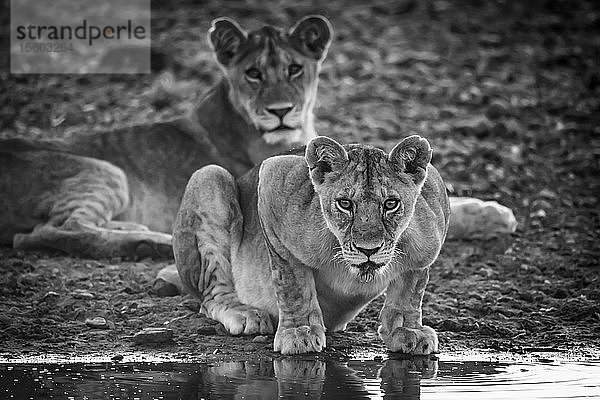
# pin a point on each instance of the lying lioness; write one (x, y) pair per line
(116, 193)
(307, 242)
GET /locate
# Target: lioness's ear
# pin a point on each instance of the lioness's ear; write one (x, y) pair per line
(324, 155)
(412, 155)
(312, 36)
(225, 37)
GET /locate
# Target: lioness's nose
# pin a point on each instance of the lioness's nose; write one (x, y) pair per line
(280, 109)
(368, 252)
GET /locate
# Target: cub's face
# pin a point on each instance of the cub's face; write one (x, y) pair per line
(368, 197)
(272, 74)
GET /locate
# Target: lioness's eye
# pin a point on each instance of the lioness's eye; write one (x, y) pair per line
(254, 74)
(344, 204)
(391, 205)
(294, 69)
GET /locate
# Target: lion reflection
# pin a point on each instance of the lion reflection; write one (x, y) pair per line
(314, 378)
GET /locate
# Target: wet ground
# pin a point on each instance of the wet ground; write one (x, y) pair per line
(452, 376)
(508, 94)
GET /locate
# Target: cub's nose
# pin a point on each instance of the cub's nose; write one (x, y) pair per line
(368, 252)
(280, 109)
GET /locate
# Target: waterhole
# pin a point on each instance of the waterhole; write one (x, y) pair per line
(447, 377)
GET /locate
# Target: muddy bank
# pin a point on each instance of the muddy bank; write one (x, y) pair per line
(479, 296)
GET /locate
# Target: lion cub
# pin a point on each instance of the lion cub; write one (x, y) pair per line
(304, 243)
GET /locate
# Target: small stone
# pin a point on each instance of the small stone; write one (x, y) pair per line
(538, 214)
(206, 330)
(4, 320)
(260, 339)
(82, 295)
(162, 288)
(473, 126)
(549, 194)
(153, 335)
(248, 347)
(96, 323)
(117, 358)
(50, 296)
(497, 109)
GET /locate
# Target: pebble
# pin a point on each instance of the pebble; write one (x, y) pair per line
(497, 109)
(164, 289)
(50, 296)
(153, 335)
(248, 347)
(206, 330)
(260, 339)
(473, 126)
(82, 295)
(96, 323)
(538, 214)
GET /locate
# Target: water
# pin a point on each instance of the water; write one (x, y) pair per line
(450, 377)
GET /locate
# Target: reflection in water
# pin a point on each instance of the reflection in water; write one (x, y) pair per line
(304, 377)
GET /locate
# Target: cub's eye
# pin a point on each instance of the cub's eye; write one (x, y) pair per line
(294, 69)
(253, 74)
(344, 205)
(391, 205)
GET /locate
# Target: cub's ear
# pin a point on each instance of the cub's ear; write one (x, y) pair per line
(225, 37)
(312, 36)
(412, 156)
(324, 155)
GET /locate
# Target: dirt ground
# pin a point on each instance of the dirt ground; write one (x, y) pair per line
(508, 93)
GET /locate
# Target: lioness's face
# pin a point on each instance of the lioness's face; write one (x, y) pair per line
(368, 197)
(272, 74)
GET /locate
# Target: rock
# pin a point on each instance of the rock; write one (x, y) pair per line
(164, 289)
(473, 218)
(207, 330)
(96, 323)
(82, 295)
(5, 320)
(496, 109)
(153, 335)
(248, 348)
(541, 213)
(473, 126)
(117, 358)
(50, 296)
(260, 339)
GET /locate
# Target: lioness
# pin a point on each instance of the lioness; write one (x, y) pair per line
(106, 194)
(307, 242)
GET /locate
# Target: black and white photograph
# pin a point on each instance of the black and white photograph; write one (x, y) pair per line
(342, 199)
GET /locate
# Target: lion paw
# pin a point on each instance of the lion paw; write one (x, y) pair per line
(247, 321)
(420, 341)
(300, 340)
(299, 370)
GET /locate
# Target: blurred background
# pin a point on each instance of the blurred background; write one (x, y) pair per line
(507, 92)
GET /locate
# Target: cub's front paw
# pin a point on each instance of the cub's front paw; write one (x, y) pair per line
(299, 340)
(243, 320)
(420, 341)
